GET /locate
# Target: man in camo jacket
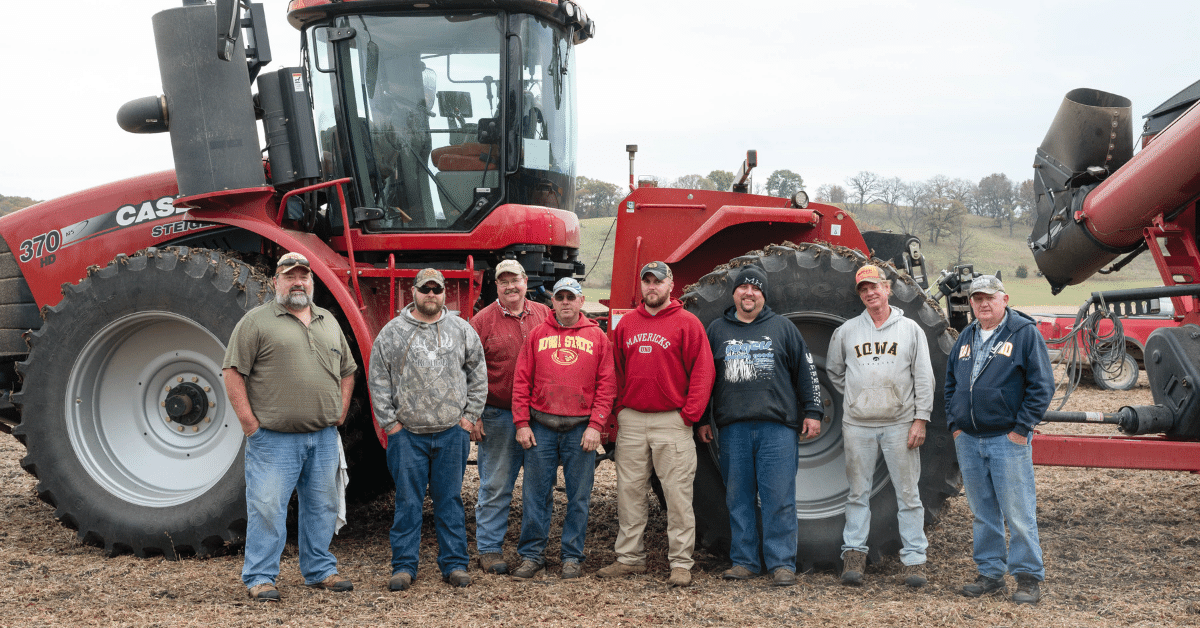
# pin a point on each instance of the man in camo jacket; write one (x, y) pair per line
(428, 386)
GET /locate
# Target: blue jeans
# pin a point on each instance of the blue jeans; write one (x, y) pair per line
(278, 463)
(500, 460)
(759, 459)
(862, 446)
(537, 496)
(436, 461)
(998, 478)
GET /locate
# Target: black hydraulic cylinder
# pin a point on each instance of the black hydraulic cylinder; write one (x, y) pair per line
(1130, 419)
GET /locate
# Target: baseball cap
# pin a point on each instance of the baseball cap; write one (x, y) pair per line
(427, 275)
(753, 275)
(869, 273)
(291, 260)
(987, 284)
(569, 284)
(660, 270)
(510, 266)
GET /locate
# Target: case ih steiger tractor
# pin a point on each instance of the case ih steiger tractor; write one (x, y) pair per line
(415, 134)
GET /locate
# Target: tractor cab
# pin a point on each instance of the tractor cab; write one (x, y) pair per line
(440, 116)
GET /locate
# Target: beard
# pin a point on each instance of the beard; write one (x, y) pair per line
(429, 307)
(294, 300)
(655, 300)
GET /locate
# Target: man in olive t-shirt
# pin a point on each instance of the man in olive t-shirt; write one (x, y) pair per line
(289, 376)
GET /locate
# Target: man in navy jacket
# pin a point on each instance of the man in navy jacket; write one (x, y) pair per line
(998, 385)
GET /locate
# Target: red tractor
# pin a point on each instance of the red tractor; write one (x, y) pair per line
(416, 134)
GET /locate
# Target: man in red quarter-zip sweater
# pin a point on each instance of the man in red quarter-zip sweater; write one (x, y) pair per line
(563, 392)
(665, 374)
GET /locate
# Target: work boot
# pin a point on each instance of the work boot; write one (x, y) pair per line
(265, 592)
(914, 575)
(571, 569)
(400, 581)
(984, 585)
(854, 563)
(528, 569)
(680, 577)
(783, 577)
(619, 569)
(1029, 590)
(458, 578)
(334, 583)
(737, 572)
(493, 563)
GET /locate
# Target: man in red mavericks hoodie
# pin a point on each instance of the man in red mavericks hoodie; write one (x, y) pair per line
(563, 392)
(665, 374)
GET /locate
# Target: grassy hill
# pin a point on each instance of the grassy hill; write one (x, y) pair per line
(991, 249)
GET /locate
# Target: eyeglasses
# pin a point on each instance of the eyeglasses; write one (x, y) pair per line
(426, 289)
(509, 283)
(564, 296)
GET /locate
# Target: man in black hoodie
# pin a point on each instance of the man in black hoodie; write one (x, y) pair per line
(766, 391)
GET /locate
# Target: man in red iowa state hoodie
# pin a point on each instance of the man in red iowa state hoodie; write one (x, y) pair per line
(665, 372)
(563, 392)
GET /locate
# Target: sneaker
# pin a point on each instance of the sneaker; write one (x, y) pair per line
(737, 572)
(783, 577)
(334, 583)
(680, 577)
(1029, 590)
(854, 563)
(265, 592)
(914, 575)
(493, 563)
(400, 581)
(619, 569)
(571, 569)
(528, 569)
(458, 578)
(984, 585)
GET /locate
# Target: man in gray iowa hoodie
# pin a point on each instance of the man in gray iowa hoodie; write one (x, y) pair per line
(428, 385)
(879, 361)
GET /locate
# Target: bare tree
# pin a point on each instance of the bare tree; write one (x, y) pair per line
(941, 217)
(910, 217)
(693, 182)
(1027, 201)
(862, 186)
(831, 193)
(963, 238)
(888, 192)
(964, 192)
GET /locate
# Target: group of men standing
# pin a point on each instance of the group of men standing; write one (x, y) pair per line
(535, 386)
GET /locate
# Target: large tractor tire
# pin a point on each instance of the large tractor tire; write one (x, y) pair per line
(124, 414)
(813, 286)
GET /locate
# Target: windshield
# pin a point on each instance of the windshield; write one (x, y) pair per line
(419, 89)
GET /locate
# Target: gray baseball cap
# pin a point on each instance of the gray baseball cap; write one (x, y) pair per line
(568, 284)
(660, 270)
(987, 284)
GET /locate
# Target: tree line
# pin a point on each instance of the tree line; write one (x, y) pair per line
(9, 204)
(598, 199)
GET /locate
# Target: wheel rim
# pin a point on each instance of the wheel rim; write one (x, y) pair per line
(821, 485)
(1124, 377)
(118, 424)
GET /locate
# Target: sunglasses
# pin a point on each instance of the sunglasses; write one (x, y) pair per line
(427, 289)
(564, 296)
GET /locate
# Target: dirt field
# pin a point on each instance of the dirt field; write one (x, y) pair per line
(1120, 550)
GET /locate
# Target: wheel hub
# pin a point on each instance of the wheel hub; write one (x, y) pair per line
(186, 404)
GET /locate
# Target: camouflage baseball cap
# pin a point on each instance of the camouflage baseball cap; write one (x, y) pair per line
(660, 270)
(290, 261)
(987, 284)
(427, 275)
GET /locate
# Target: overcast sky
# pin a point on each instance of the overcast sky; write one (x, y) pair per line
(826, 89)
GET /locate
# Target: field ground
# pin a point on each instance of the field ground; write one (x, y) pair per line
(1120, 550)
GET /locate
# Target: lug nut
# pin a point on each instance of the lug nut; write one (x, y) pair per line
(162, 403)
(180, 428)
(195, 379)
(208, 389)
(180, 379)
(195, 428)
